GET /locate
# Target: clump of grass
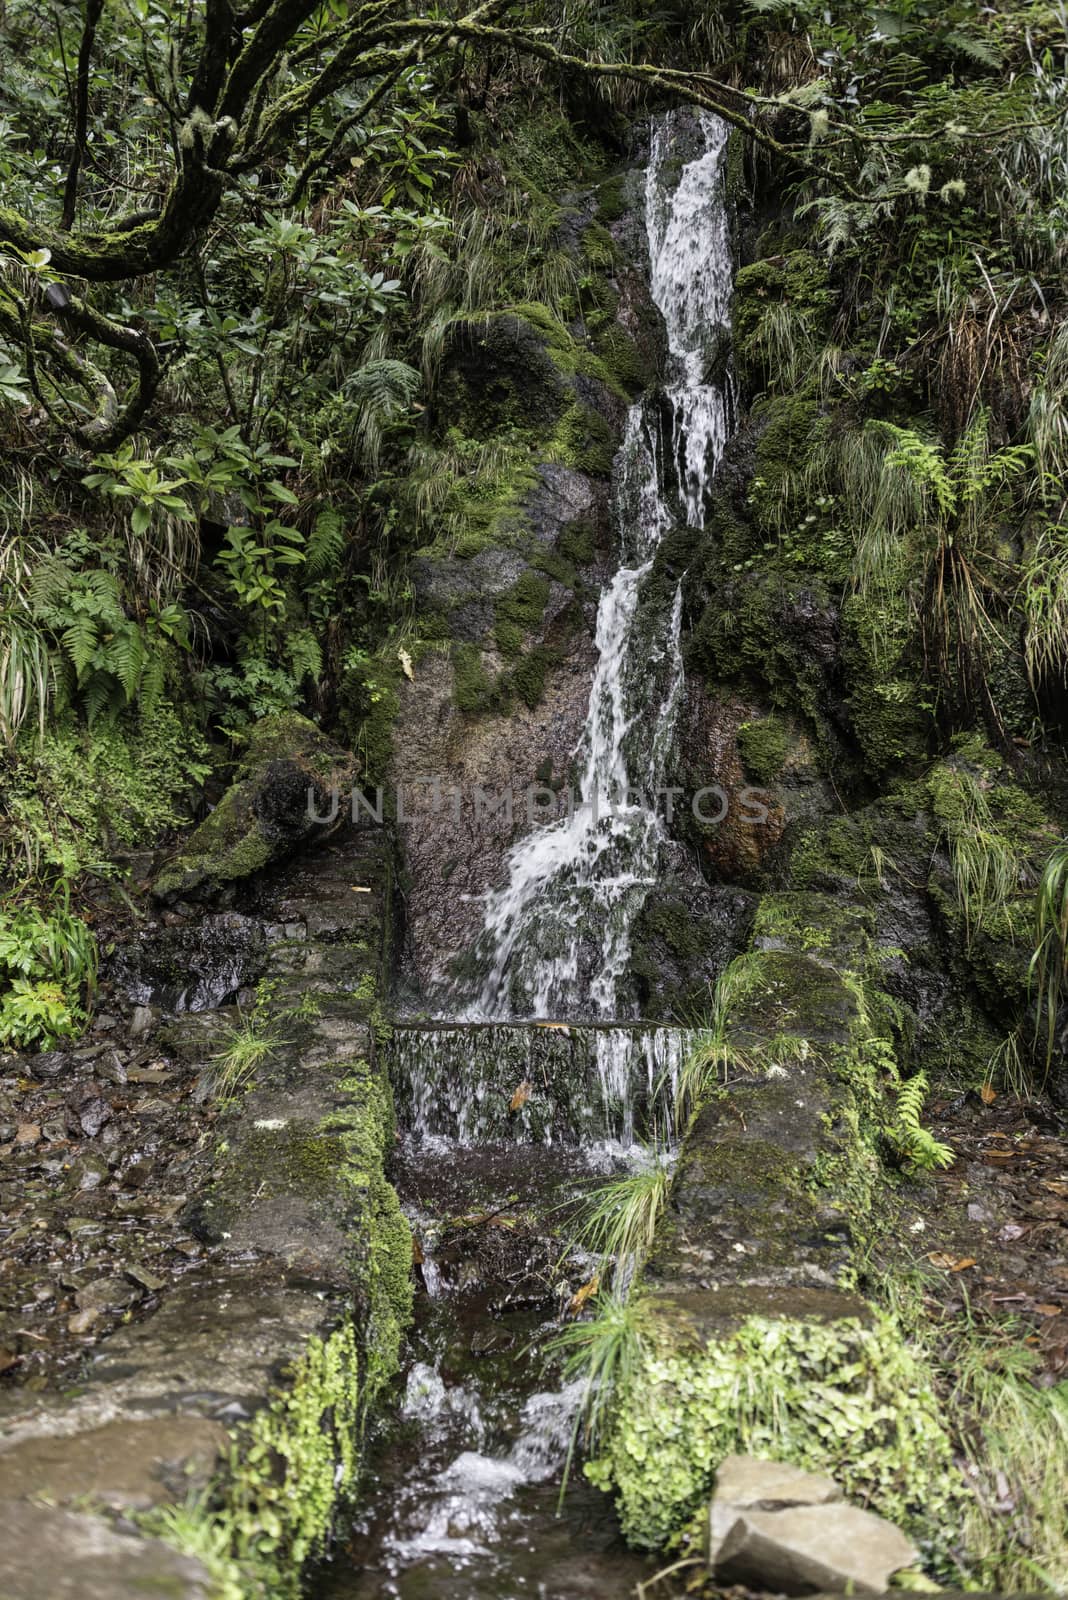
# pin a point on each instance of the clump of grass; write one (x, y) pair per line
(622, 1220)
(987, 866)
(605, 1351)
(1015, 1440)
(246, 1044)
(709, 1063)
(1048, 972)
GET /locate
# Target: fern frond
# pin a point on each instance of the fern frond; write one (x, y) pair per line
(325, 544)
(913, 1142)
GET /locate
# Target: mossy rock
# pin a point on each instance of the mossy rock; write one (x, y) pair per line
(763, 747)
(281, 797)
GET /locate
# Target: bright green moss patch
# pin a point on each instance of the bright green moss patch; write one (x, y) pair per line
(853, 1401)
(763, 748)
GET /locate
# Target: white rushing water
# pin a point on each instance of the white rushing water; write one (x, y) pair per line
(556, 935)
(605, 1088)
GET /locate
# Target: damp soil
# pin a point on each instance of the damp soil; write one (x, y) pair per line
(990, 1233)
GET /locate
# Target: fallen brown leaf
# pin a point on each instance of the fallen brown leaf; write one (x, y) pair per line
(559, 1027)
(1047, 1310)
(948, 1263)
(521, 1096)
(988, 1094)
(580, 1296)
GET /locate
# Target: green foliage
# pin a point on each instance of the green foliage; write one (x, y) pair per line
(245, 1045)
(77, 794)
(621, 1220)
(112, 660)
(855, 1402)
(1015, 1438)
(605, 1349)
(1048, 971)
(912, 1141)
(48, 962)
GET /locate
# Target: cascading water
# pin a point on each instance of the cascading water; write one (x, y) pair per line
(510, 1124)
(556, 935)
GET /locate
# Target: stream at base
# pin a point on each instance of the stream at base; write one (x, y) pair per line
(464, 1486)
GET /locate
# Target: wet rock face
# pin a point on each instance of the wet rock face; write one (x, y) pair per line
(767, 770)
(195, 967)
(265, 814)
(453, 857)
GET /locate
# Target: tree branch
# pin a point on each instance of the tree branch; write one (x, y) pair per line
(93, 10)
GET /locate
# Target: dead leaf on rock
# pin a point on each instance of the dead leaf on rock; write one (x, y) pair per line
(948, 1263)
(580, 1296)
(521, 1096)
(557, 1027)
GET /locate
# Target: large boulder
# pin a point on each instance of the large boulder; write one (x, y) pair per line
(281, 797)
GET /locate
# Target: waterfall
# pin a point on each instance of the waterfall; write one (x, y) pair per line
(599, 1085)
(556, 935)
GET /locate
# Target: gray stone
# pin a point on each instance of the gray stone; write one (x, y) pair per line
(124, 1465)
(103, 1293)
(57, 1555)
(804, 1549)
(753, 1483)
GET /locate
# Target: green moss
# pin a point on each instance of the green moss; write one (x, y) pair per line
(577, 543)
(555, 566)
(763, 748)
(528, 677)
(627, 367)
(612, 199)
(585, 441)
(781, 312)
(790, 426)
(853, 1401)
(509, 638)
(473, 689)
(598, 248)
(525, 602)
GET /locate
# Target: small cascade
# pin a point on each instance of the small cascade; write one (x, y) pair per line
(511, 1121)
(580, 1085)
(556, 935)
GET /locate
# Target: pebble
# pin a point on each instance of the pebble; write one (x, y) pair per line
(102, 1293)
(82, 1321)
(93, 1115)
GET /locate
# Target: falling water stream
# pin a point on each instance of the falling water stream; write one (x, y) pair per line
(509, 1118)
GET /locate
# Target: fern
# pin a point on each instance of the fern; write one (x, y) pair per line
(80, 640)
(324, 547)
(384, 387)
(124, 657)
(978, 50)
(913, 1142)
